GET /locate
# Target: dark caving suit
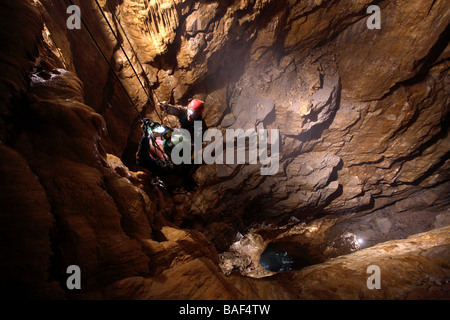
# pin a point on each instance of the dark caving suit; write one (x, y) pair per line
(151, 156)
(187, 117)
(182, 114)
(147, 158)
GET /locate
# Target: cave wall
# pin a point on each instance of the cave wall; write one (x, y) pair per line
(363, 116)
(372, 105)
(321, 128)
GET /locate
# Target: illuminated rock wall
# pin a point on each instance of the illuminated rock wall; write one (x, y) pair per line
(363, 120)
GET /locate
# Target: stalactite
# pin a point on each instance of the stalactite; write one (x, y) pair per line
(363, 156)
(162, 21)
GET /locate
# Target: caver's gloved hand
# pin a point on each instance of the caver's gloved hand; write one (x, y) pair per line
(163, 106)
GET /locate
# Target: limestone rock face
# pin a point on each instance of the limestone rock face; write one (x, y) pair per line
(397, 262)
(26, 223)
(403, 60)
(363, 160)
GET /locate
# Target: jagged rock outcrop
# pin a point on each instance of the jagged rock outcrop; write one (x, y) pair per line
(363, 117)
(398, 261)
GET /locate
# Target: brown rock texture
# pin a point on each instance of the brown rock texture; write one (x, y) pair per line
(399, 262)
(363, 117)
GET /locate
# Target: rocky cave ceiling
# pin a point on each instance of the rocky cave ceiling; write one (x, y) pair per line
(363, 179)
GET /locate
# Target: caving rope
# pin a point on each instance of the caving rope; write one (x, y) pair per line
(142, 118)
(149, 97)
(109, 64)
(155, 144)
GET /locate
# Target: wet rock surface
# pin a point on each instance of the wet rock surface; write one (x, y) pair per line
(363, 175)
(402, 264)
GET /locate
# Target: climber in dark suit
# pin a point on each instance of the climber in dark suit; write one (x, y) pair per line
(150, 155)
(187, 116)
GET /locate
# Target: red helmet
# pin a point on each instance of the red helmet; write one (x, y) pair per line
(196, 105)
